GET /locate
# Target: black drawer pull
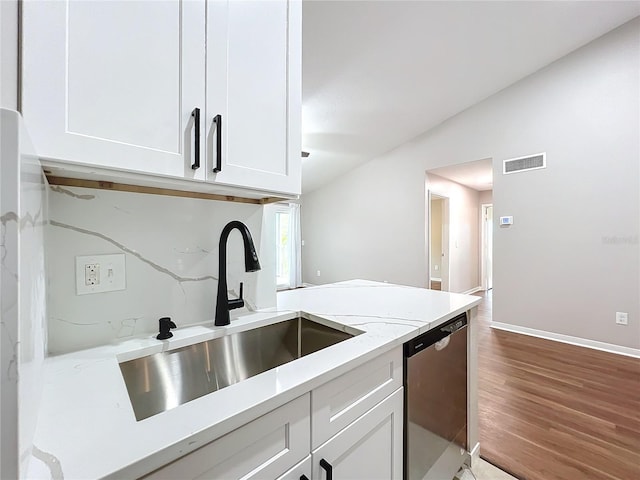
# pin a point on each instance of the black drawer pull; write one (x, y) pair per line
(328, 468)
(196, 143)
(217, 120)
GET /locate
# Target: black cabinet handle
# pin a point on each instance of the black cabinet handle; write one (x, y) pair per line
(304, 477)
(218, 122)
(327, 467)
(196, 143)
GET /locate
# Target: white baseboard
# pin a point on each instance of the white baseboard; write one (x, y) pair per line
(473, 457)
(473, 290)
(558, 337)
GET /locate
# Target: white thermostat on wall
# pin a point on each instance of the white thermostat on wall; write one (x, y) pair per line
(506, 220)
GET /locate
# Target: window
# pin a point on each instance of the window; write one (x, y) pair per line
(288, 271)
(283, 246)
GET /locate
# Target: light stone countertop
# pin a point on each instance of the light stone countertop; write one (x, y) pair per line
(86, 427)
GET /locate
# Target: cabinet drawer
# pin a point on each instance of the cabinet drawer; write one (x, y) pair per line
(339, 402)
(263, 448)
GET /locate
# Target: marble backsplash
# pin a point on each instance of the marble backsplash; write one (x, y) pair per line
(171, 257)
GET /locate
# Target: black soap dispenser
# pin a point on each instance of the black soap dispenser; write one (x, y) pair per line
(166, 325)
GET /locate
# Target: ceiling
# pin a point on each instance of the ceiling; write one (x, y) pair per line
(477, 175)
(378, 73)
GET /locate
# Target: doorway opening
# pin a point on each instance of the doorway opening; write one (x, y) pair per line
(438, 242)
(486, 212)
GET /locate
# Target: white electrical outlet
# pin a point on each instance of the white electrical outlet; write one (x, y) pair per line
(317, 273)
(92, 274)
(100, 273)
(622, 318)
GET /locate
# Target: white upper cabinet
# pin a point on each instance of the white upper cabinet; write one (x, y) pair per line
(254, 86)
(114, 83)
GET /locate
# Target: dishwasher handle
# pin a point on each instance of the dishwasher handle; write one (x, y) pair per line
(431, 337)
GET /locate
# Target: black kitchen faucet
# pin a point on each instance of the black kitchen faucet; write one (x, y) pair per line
(251, 264)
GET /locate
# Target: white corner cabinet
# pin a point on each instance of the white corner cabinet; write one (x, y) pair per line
(112, 88)
(349, 428)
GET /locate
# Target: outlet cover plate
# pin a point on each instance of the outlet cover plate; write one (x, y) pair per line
(622, 318)
(109, 271)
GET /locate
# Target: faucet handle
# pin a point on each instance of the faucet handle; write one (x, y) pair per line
(237, 302)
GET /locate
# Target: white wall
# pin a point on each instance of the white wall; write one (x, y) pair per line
(485, 197)
(436, 237)
(580, 215)
(9, 54)
(364, 226)
(171, 255)
(464, 236)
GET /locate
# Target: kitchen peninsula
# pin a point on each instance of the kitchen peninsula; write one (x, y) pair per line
(87, 428)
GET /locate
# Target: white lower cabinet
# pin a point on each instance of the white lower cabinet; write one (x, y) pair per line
(357, 425)
(261, 449)
(302, 471)
(368, 449)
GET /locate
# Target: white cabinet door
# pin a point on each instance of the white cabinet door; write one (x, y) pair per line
(368, 449)
(302, 471)
(254, 84)
(261, 449)
(114, 83)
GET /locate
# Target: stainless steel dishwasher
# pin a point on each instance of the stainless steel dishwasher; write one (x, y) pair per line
(435, 414)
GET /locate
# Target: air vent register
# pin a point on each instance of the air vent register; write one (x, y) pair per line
(521, 164)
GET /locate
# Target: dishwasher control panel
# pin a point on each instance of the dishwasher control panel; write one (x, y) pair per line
(427, 339)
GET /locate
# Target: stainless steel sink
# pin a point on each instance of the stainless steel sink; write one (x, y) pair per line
(162, 381)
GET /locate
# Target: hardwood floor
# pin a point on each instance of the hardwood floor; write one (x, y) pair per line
(553, 411)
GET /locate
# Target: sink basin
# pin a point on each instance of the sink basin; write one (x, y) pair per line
(162, 381)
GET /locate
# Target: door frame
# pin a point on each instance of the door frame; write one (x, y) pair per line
(445, 273)
(483, 248)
